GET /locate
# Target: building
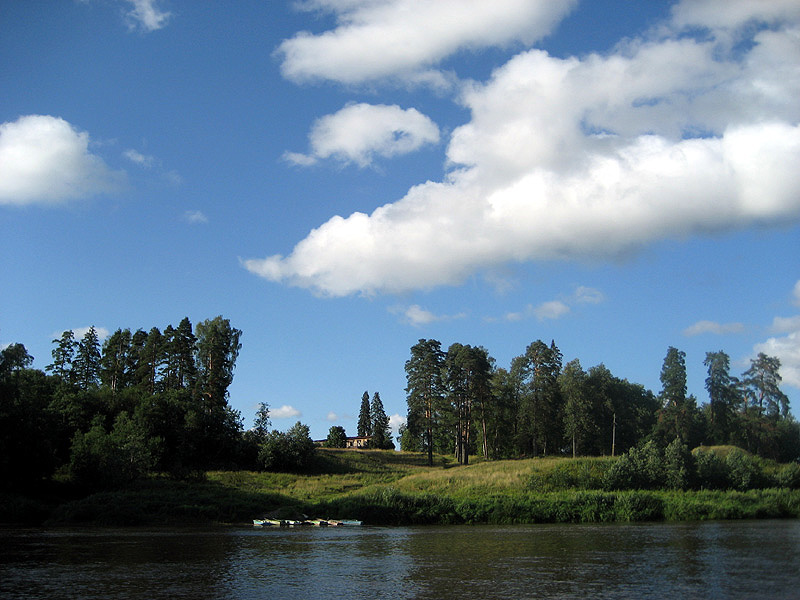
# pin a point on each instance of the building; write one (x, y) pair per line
(359, 441)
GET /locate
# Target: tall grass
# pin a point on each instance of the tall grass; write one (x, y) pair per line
(390, 488)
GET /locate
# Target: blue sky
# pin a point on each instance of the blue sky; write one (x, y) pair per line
(341, 178)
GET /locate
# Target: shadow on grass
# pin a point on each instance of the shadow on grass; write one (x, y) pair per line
(166, 502)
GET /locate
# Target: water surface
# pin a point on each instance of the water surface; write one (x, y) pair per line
(732, 559)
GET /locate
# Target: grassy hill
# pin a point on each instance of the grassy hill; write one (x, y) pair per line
(386, 487)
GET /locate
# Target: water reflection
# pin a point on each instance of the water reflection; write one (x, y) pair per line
(710, 560)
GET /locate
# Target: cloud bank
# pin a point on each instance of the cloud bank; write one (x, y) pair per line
(679, 133)
(45, 160)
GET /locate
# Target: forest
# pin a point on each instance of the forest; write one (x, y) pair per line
(104, 415)
(460, 402)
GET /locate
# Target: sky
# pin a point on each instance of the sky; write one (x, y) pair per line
(341, 178)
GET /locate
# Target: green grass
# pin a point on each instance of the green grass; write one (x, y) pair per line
(386, 487)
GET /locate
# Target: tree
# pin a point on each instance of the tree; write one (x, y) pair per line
(63, 355)
(722, 394)
(262, 422)
(150, 360)
(540, 406)
(762, 385)
(290, 451)
(424, 392)
(116, 360)
(337, 438)
(217, 349)
(86, 365)
(679, 416)
(578, 423)
(364, 417)
(14, 358)
(467, 379)
(381, 433)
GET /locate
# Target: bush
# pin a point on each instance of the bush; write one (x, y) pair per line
(638, 469)
(745, 471)
(712, 472)
(788, 476)
(679, 468)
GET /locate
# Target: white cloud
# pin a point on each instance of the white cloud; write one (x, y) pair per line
(359, 132)
(416, 315)
(332, 416)
(145, 15)
(787, 349)
(44, 160)
(138, 158)
(702, 327)
(79, 332)
(583, 158)
(785, 324)
(284, 412)
(195, 217)
(553, 309)
(395, 421)
(587, 295)
(404, 38)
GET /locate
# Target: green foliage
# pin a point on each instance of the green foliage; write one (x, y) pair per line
(364, 427)
(638, 469)
(337, 438)
(290, 451)
(579, 474)
(712, 473)
(744, 470)
(788, 476)
(679, 466)
(101, 459)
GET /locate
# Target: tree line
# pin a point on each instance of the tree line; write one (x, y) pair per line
(460, 402)
(104, 414)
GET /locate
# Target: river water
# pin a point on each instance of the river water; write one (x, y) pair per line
(732, 559)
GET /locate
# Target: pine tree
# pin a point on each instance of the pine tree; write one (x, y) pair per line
(425, 392)
(381, 433)
(364, 417)
(86, 365)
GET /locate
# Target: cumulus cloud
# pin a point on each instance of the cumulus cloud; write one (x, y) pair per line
(284, 412)
(405, 38)
(786, 347)
(360, 132)
(45, 160)
(667, 136)
(332, 417)
(146, 16)
(702, 327)
(395, 421)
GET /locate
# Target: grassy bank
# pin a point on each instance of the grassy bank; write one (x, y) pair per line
(388, 488)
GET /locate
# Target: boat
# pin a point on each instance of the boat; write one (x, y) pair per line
(269, 523)
(306, 523)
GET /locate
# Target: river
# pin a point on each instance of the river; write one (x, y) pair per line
(710, 560)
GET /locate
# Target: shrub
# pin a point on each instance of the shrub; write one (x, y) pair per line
(638, 469)
(788, 476)
(712, 472)
(679, 466)
(745, 471)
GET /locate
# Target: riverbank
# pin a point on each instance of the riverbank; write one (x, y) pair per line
(392, 488)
